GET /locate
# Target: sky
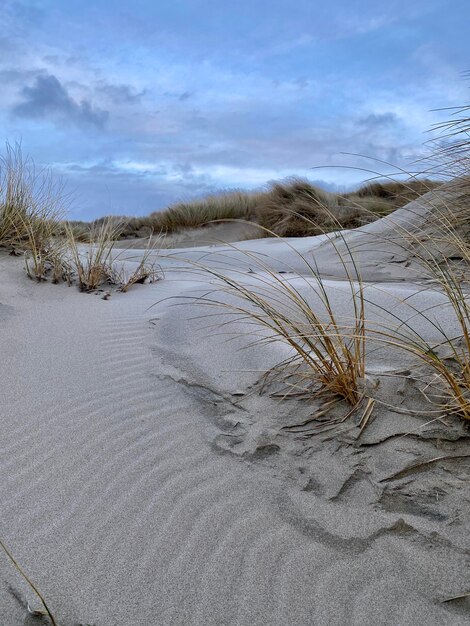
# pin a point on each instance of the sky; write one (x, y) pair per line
(136, 105)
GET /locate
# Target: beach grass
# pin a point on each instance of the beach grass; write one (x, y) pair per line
(32, 203)
(234, 204)
(327, 349)
(296, 208)
(448, 359)
(146, 271)
(280, 209)
(446, 258)
(91, 263)
(32, 224)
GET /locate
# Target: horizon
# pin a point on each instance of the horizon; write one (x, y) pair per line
(137, 109)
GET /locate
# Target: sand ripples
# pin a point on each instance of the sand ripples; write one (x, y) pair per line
(115, 502)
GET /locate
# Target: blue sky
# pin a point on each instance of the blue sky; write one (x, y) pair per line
(140, 104)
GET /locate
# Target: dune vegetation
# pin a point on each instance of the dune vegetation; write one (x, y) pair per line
(31, 204)
(328, 352)
(32, 223)
(289, 208)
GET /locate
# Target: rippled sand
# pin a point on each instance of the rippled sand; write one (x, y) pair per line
(141, 483)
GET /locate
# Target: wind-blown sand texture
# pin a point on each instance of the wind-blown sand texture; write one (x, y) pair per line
(143, 481)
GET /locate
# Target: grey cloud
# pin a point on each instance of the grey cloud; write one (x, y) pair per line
(183, 168)
(107, 169)
(48, 98)
(376, 120)
(20, 18)
(122, 94)
(185, 95)
(133, 193)
(18, 75)
(302, 82)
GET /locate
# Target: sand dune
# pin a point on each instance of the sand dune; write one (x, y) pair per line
(209, 235)
(142, 482)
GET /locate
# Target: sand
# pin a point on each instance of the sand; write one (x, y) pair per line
(209, 235)
(145, 481)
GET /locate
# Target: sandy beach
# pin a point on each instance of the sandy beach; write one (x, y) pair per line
(147, 478)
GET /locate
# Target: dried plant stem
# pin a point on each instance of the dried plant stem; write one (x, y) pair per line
(29, 581)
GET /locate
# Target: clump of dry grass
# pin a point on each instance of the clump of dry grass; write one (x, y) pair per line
(48, 260)
(441, 247)
(396, 193)
(146, 271)
(453, 368)
(296, 208)
(328, 352)
(450, 265)
(31, 212)
(31, 223)
(31, 208)
(226, 205)
(92, 264)
(448, 359)
(233, 204)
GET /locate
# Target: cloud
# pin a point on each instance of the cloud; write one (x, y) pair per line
(201, 100)
(379, 120)
(184, 95)
(48, 99)
(120, 94)
(15, 75)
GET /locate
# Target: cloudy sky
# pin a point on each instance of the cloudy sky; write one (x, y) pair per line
(139, 104)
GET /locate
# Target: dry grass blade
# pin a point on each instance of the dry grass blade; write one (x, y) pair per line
(366, 416)
(313, 418)
(30, 583)
(461, 596)
(422, 464)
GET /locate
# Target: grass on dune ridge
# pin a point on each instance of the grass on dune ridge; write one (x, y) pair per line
(290, 208)
(445, 256)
